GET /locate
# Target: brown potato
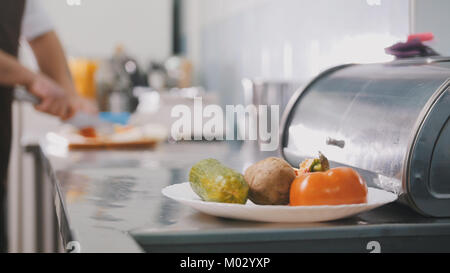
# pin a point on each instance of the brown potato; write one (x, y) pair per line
(270, 181)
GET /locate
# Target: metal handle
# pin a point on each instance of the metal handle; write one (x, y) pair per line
(21, 94)
(335, 142)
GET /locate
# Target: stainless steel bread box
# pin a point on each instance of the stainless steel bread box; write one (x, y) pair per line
(390, 121)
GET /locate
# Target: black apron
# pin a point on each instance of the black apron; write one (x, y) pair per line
(11, 12)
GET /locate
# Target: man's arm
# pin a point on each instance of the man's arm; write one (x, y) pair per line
(52, 61)
(12, 72)
(53, 99)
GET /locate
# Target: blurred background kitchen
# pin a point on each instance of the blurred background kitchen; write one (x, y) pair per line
(144, 56)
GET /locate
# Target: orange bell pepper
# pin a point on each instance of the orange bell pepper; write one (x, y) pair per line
(335, 186)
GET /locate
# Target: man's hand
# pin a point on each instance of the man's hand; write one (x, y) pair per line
(52, 62)
(84, 105)
(54, 100)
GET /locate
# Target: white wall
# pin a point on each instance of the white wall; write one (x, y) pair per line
(95, 27)
(433, 16)
(287, 39)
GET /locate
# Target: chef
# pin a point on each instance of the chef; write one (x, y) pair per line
(53, 84)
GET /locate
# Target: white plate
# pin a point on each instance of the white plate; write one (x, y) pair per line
(183, 193)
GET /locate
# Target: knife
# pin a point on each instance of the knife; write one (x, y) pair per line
(83, 120)
(21, 94)
(80, 119)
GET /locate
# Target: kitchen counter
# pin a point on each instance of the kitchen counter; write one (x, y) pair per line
(111, 201)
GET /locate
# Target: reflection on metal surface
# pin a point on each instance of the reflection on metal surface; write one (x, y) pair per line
(335, 142)
(389, 183)
(264, 92)
(75, 185)
(169, 211)
(112, 190)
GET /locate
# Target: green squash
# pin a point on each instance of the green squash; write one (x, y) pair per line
(215, 182)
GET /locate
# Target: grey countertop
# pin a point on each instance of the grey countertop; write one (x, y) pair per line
(112, 202)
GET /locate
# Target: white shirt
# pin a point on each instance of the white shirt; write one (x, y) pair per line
(35, 21)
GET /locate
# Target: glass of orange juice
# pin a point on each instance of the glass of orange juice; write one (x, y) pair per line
(83, 73)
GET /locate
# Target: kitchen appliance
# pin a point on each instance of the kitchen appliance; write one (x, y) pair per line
(269, 92)
(390, 121)
(179, 72)
(115, 80)
(265, 92)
